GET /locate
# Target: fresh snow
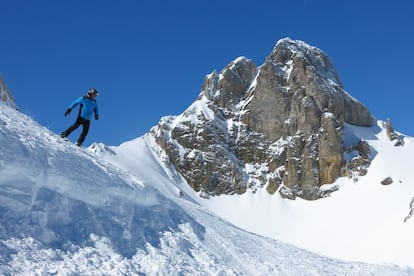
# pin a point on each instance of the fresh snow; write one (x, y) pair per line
(363, 221)
(124, 211)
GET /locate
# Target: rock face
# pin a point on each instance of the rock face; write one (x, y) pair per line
(5, 95)
(392, 135)
(276, 126)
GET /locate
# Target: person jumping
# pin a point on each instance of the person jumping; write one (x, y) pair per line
(88, 106)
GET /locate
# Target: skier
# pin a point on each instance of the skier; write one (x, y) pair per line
(88, 106)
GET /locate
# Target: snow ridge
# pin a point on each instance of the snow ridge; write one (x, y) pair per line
(60, 194)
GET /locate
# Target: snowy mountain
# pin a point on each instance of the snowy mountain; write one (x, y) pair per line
(123, 210)
(276, 126)
(273, 170)
(287, 129)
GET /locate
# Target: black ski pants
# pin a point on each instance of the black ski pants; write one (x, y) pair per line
(79, 121)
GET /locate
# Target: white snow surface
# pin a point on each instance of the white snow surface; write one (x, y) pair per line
(363, 221)
(124, 211)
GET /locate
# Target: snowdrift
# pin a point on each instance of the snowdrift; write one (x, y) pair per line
(59, 194)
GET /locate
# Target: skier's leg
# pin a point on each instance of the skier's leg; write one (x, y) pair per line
(85, 130)
(71, 128)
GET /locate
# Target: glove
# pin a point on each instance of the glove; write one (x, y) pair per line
(67, 112)
(96, 116)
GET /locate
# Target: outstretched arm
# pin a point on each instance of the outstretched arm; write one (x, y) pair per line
(75, 103)
(72, 105)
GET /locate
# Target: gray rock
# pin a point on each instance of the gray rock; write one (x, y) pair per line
(387, 181)
(392, 135)
(276, 126)
(5, 94)
(411, 211)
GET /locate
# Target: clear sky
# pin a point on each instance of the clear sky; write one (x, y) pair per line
(149, 58)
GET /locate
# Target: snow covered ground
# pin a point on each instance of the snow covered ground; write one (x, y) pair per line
(363, 221)
(122, 210)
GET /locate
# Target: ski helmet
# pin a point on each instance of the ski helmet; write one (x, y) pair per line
(93, 92)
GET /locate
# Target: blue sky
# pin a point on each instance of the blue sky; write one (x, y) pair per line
(148, 59)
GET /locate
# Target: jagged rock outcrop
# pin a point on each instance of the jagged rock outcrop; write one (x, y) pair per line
(392, 135)
(5, 95)
(360, 160)
(276, 126)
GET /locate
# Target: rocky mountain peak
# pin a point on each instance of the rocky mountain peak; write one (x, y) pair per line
(276, 126)
(5, 94)
(228, 88)
(287, 50)
(300, 79)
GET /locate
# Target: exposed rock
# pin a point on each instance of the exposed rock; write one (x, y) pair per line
(226, 90)
(287, 193)
(359, 161)
(387, 181)
(411, 212)
(363, 148)
(276, 126)
(294, 87)
(330, 149)
(5, 94)
(392, 135)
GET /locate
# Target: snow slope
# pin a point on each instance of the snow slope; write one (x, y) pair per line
(65, 210)
(363, 221)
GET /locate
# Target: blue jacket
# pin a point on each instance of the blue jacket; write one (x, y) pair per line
(88, 106)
